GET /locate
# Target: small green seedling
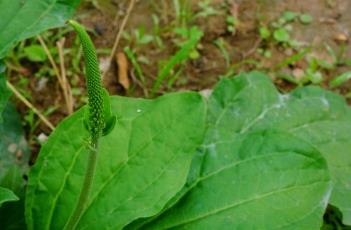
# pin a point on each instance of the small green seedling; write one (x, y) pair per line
(35, 53)
(341, 79)
(206, 10)
(220, 43)
(138, 38)
(305, 18)
(264, 32)
(232, 23)
(187, 47)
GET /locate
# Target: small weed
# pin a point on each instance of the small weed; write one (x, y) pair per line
(206, 10)
(279, 31)
(183, 12)
(186, 48)
(341, 79)
(232, 23)
(220, 43)
(138, 38)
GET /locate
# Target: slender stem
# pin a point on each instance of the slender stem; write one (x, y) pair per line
(86, 188)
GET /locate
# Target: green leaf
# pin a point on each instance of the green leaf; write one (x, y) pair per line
(315, 115)
(14, 154)
(142, 163)
(4, 91)
(281, 35)
(319, 117)
(12, 213)
(24, 19)
(264, 32)
(306, 18)
(7, 195)
(35, 53)
(289, 16)
(249, 181)
(250, 103)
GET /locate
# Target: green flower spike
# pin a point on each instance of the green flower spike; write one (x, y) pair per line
(98, 119)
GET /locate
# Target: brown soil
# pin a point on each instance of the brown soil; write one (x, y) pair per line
(331, 19)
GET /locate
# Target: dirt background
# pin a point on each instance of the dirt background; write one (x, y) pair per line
(330, 27)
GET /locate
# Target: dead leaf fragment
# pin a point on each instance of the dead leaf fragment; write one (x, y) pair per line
(341, 38)
(122, 70)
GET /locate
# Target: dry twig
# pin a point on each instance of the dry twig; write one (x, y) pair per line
(66, 88)
(118, 36)
(29, 105)
(61, 77)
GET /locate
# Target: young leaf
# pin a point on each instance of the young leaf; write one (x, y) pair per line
(264, 32)
(35, 53)
(341, 79)
(306, 18)
(142, 164)
(289, 15)
(7, 195)
(281, 35)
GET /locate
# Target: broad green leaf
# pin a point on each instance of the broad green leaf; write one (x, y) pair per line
(264, 180)
(142, 163)
(315, 115)
(7, 195)
(194, 173)
(23, 19)
(250, 103)
(319, 117)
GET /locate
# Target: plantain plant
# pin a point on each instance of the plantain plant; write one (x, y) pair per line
(247, 157)
(98, 119)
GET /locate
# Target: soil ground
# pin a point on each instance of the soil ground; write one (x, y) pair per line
(326, 37)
